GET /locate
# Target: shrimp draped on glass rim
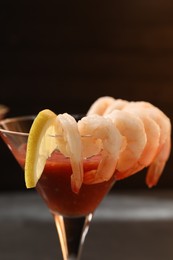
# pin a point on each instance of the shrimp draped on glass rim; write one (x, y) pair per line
(156, 136)
(127, 137)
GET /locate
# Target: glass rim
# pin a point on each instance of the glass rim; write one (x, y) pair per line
(21, 118)
(13, 119)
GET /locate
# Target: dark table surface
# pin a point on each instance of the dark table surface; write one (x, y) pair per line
(133, 225)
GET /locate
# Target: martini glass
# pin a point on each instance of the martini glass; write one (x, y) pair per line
(72, 212)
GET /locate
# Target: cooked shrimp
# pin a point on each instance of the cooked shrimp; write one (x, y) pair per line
(109, 141)
(69, 143)
(163, 152)
(117, 104)
(152, 131)
(157, 137)
(100, 105)
(132, 128)
(156, 168)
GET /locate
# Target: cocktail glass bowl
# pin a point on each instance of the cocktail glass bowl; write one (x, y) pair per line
(72, 212)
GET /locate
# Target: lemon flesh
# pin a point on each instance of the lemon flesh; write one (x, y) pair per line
(40, 145)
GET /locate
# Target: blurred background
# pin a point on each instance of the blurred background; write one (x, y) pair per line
(63, 55)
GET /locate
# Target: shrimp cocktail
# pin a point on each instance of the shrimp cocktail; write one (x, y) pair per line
(73, 164)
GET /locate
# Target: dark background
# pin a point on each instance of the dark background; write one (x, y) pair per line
(63, 55)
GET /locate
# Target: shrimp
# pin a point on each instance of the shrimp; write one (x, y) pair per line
(157, 165)
(69, 144)
(156, 136)
(156, 168)
(132, 128)
(117, 104)
(100, 105)
(152, 131)
(109, 141)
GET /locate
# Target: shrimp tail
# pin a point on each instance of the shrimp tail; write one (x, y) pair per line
(157, 166)
(104, 172)
(154, 172)
(77, 178)
(89, 177)
(122, 175)
(70, 146)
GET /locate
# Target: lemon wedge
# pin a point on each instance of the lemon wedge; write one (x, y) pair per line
(40, 145)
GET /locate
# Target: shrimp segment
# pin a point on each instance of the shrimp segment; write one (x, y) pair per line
(132, 128)
(70, 145)
(100, 105)
(156, 168)
(158, 163)
(152, 131)
(109, 142)
(117, 104)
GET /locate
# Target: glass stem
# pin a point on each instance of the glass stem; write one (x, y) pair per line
(72, 232)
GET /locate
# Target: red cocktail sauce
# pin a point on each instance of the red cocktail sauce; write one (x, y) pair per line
(54, 186)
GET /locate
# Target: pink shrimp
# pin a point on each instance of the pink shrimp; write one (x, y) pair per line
(157, 165)
(69, 143)
(152, 131)
(117, 104)
(109, 141)
(157, 127)
(100, 105)
(132, 128)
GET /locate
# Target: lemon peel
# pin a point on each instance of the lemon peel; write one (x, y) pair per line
(40, 145)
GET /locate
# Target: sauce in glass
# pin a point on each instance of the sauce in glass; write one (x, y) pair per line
(55, 187)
